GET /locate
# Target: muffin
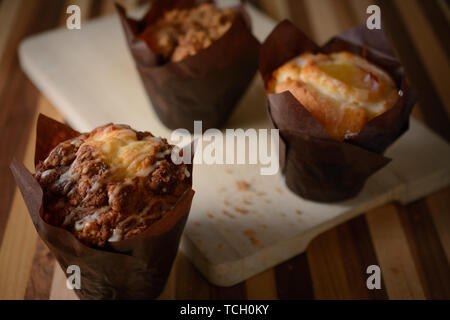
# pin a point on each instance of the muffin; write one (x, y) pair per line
(341, 90)
(110, 184)
(195, 60)
(110, 202)
(337, 107)
(181, 33)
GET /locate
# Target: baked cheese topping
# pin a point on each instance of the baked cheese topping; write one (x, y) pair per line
(341, 90)
(125, 155)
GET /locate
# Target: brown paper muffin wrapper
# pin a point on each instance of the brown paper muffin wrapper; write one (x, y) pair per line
(206, 86)
(135, 268)
(314, 165)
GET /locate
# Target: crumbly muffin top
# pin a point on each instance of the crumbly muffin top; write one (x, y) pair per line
(341, 90)
(110, 184)
(181, 33)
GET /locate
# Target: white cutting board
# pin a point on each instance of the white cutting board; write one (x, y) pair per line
(231, 234)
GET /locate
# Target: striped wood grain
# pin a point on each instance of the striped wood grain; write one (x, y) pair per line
(411, 244)
(394, 255)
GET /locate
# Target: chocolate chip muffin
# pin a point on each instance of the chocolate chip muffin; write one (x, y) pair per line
(110, 184)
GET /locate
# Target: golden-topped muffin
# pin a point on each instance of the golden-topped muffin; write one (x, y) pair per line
(181, 33)
(110, 184)
(342, 91)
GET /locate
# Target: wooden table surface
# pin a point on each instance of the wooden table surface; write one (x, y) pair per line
(411, 244)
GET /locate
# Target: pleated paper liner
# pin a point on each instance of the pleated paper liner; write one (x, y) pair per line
(135, 268)
(314, 165)
(206, 86)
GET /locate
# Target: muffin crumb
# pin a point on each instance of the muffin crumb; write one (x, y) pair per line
(242, 185)
(226, 213)
(241, 210)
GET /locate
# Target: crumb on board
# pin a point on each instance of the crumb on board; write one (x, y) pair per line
(228, 171)
(267, 200)
(242, 185)
(298, 211)
(246, 201)
(282, 214)
(277, 189)
(226, 213)
(210, 215)
(221, 245)
(226, 202)
(255, 242)
(196, 223)
(227, 230)
(240, 210)
(250, 234)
